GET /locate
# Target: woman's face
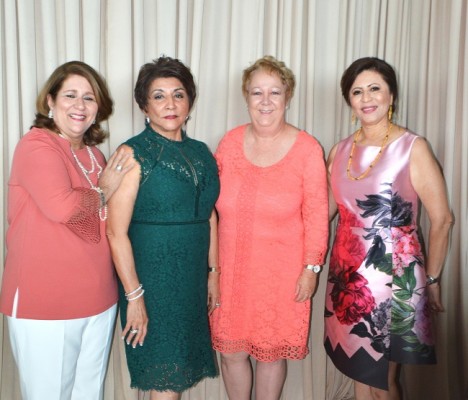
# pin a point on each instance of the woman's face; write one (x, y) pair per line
(168, 106)
(74, 108)
(266, 98)
(370, 98)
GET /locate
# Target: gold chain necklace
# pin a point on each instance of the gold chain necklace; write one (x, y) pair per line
(377, 157)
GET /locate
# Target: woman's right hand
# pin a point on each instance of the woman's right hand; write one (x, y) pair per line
(118, 165)
(137, 320)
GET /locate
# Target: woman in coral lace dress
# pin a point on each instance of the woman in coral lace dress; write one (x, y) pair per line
(380, 293)
(273, 232)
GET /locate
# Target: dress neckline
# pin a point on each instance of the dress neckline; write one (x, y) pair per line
(277, 163)
(153, 134)
(369, 146)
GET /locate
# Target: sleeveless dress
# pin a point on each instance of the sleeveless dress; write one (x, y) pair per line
(169, 233)
(376, 302)
(272, 221)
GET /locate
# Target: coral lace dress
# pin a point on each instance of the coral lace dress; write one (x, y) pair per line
(376, 308)
(272, 221)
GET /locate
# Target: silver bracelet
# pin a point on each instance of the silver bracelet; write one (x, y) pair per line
(214, 269)
(102, 196)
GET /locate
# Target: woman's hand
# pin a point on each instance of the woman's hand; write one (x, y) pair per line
(214, 296)
(118, 165)
(137, 323)
(306, 284)
(434, 300)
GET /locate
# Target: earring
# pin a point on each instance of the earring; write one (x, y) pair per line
(51, 114)
(147, 120)
(94, 122)
(390, 112)
(187, 118)
(353, 119)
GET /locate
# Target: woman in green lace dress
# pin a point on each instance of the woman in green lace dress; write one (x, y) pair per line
(162, 232)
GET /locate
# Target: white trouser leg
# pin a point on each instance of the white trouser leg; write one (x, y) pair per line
(51, 355)
(38, 350)
(94, 356)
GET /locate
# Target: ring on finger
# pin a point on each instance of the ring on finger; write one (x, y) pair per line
(218, 304)
(133, 331)
(119, 167)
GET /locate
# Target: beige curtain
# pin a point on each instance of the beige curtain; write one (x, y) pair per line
(425, 40)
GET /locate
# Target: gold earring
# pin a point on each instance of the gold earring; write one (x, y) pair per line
(390, 112)
(353, 119)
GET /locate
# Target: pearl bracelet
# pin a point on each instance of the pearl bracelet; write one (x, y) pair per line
(137, 296)
(134, 291)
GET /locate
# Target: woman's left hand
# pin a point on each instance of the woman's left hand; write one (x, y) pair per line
(305, 287)
(214, 297)
(435, 302)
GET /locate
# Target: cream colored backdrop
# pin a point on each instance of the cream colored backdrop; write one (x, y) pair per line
(425, 40)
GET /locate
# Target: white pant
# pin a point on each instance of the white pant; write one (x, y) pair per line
(62, 359)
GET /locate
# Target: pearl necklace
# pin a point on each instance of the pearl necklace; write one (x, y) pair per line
(372, 164)
(94, 163)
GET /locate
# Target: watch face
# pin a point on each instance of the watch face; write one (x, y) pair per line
(317, 268)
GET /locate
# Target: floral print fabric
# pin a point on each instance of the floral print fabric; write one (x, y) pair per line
(376, 302)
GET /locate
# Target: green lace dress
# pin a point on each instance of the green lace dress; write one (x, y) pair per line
(169, 232)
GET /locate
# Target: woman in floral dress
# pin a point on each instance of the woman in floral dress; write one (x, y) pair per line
(381, 288)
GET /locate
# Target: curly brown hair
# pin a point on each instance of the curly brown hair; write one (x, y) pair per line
(271, 65)
(95, 134)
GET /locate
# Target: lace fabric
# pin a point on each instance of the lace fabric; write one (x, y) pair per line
(273, 220)
(169, 233)
(85, 221)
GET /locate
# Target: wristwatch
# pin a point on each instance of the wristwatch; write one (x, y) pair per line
(313, 268)
(430, 280)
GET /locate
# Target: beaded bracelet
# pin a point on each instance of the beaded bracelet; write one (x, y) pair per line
(134, 291)
(137, 296)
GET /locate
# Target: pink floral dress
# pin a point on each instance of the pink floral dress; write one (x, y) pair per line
(375, 309)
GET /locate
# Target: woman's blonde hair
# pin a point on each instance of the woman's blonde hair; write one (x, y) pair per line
(273, 66)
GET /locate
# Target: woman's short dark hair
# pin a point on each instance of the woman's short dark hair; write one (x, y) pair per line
(163, 67)
(374, 64)
(95, 134)
(273, 66)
